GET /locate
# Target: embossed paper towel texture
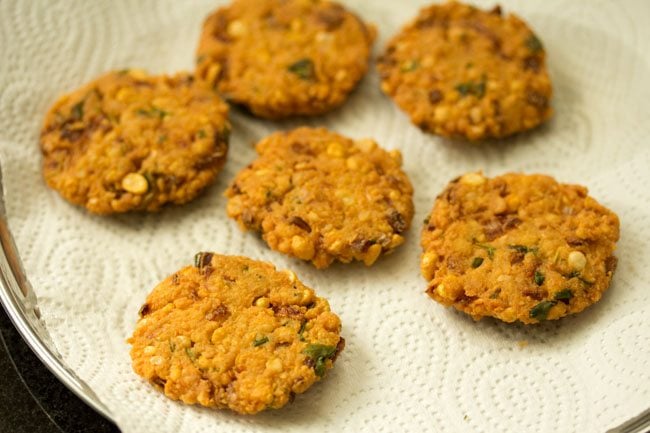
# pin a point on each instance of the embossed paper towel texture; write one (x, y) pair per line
(410, 364)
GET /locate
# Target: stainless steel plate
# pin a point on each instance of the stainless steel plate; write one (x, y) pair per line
(20, 303)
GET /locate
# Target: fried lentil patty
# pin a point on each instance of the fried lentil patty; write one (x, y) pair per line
(321, 197)
(459, 71)
(282, 58)
(518, 247)
(130, 141)
(231, 332)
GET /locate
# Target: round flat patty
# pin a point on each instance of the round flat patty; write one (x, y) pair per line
(284, 58)
(319, 196)
(130, 141)
(518, 247)
(231, 332)
(459, 71)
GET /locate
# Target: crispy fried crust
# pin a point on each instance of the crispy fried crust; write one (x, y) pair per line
(518, 247)
(458, 71)
(284, 58)
(231, 332)
(129, 141)
(319, 196)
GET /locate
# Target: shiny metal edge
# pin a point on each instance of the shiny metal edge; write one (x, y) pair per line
(638, 424)
(19, 301)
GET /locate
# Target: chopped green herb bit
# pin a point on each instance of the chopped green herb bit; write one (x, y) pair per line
(172, 346)
(260, 341)
(523, 249)
(201, 133)
(319, 368)
(319, 353)
(534, 44)
(496, 294)
(78, 110)
(563, 295)
(585, 281)
(478, 261)
(409, 66)
(539, 278)
(472, 88)
(489, 248)
(190, 353)
(153, 112)
(200, 59)
(224, 134)
(576, 274)
(301, 331)
(540, 311)
(162, 139)
(426, 220)
(303, 68)
(149, 178)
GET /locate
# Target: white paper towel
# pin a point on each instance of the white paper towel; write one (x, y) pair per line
(409, 364)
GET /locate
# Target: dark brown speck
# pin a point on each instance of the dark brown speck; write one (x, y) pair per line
(610, 264)
(332, 17)
(301, 223)
(532, 63)
(396, 221)
(293, 311)
(202, 259)
(144, 310)
(361, 245)
(435, 96)
(219, 313)
(536, 99)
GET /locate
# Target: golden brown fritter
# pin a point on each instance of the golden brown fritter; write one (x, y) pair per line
(284, 58)
(130, 141)
(458, 71)
(231, 332)
(518, 247)
(319, 196)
